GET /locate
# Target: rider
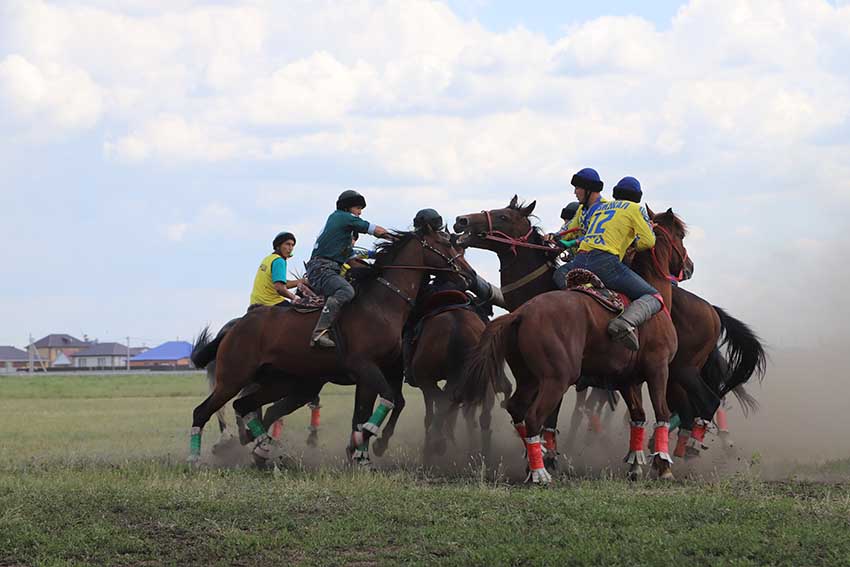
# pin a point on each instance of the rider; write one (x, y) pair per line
(567, 239)
(588, 187)
(270, 284)
(332, 249)
(611, 229)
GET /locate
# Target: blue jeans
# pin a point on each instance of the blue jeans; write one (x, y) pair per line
(608, 268)
(323, 276)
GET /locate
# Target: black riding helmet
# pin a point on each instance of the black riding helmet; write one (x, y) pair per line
(281, 238)
(568, 212)
(350, 198)
(428, 217)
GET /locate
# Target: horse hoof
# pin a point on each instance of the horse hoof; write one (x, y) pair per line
(313, 439)
(540, 477)
(551, 463)
(635, 473)
(666, 475)
(194, 461)
(380, 447)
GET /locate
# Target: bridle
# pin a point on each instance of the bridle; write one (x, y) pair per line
(683, 255)
(451, 262)
(522, 241)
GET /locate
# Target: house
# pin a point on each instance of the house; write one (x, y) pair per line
(12, 358)
(172, 354)
(50, 346)
(102, 355)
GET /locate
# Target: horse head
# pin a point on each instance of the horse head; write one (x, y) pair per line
(494, 229)
(670, 229)
(430, 250)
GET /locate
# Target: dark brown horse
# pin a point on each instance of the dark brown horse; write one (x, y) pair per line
(527, 265)
(271, 345)
(447, 331)
(554, 338)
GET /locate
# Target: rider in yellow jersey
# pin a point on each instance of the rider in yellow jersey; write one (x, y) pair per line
(270, 284)
(611, 229)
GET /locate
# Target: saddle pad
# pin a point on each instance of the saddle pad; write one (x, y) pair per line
(447, 298)
(585, 281)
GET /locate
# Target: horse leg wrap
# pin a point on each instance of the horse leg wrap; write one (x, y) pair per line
(194, 443)
(595, 423)
(636, 440)
(550, 440)
(373, 426)
(675, 421)
(315, 417)
(697, 441)
(537, 471)
(720, 420)
(662, 445)
(682, 443)
(520, 429)
(255, 426)
(277, 429)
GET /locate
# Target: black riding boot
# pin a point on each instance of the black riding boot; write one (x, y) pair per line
(321, 333)
(623, 328)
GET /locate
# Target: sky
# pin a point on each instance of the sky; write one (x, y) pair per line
(151, 150)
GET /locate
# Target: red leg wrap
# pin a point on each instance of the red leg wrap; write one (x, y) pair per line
(636, 438)
(595, 423)
(277, 428)
(535, 453)
(681, 444)
(550, 442)
(520, 429)
(698, 431)
(662, 444)
(315, 418)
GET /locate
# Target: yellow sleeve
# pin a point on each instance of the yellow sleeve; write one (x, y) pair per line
(575, 222)
(644, 233)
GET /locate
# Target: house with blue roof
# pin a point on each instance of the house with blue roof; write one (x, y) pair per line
(171, 354)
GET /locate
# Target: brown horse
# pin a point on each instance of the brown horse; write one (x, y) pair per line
(695, 385)
(271, 345)
(551, 340)
(447, 331)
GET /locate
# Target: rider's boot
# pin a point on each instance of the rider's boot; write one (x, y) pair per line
(623, 329)
(321, 334)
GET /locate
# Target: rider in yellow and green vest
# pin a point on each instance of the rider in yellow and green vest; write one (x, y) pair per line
(270, 284)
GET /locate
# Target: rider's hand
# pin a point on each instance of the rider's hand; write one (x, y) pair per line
(381, 232)
(549, 237)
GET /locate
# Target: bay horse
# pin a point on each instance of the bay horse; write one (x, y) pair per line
(527, 264)
(270, 345)
(447, 329)
(554, 338)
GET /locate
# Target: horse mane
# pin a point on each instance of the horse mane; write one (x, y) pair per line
(537, 234)
(674, 218)
(385, 251)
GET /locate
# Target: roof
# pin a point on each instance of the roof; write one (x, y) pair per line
(12, 354)
(172, 350)
(103, 349)
(60, 340)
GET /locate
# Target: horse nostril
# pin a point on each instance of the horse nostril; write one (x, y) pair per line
(462, 221)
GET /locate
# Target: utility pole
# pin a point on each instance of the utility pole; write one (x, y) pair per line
(128, 354)
(29, 352)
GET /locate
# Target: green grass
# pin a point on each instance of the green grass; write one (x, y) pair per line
(98, 479)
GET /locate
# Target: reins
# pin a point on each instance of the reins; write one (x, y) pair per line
(522, 241)
(683, 255)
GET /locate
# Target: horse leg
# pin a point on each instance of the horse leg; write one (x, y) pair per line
(549, 395)
(485, 419)
(227, 385)
(435, 442)
(721, 421)
(397, 383)
(550, 439)
(315, 421)
(575, 419)
(366, 421)
(636, 457)
(226, 436)
(249, 407)
(657, 379)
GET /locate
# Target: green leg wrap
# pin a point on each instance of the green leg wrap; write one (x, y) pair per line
(195, 442)
(256, 428)
(675, 421)
(373, 426)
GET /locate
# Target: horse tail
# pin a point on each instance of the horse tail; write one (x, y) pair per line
(486, 363)
(204, 349)
(746, 400)
(744, 352)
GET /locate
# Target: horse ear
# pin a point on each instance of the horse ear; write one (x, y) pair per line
(528, 209)
(512, 204)
(649, 212)
(670, 211)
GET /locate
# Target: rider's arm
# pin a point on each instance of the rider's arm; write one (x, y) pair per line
(279, 279)
(645, 236)
(365, 227)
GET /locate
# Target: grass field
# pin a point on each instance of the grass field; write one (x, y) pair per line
(92, 473)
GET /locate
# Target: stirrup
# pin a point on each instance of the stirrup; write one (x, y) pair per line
(322, 340)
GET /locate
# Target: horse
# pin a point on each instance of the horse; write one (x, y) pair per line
(551, 340)
(527, 265)
(270, 345)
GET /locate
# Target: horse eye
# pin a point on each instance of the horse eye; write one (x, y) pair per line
(503, 217)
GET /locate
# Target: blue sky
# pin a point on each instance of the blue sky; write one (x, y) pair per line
(150, 150)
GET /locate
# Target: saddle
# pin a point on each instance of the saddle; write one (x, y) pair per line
(307, 300)
(585, 281)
